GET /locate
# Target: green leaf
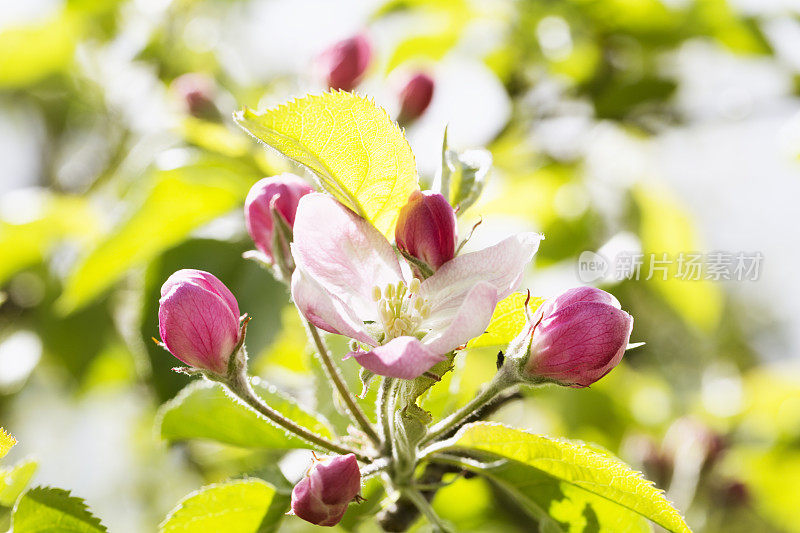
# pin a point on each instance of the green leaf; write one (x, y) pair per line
(355, 149)
(203, 410)
(562, 479)
(56, 217)
(180, 200)
(29, 54)
(463, 174)
(215, 137)
(50, 510)
(14, 480)
(241, 506)
(507, 321)
(6, 442)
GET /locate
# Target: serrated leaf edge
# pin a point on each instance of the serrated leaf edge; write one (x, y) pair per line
(239, 116)
(205, 488)
(85, 514)
(451, 442)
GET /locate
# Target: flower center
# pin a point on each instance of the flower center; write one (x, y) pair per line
(400, 308)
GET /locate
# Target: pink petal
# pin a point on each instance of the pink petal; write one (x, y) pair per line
(198, 327)
(204, 280)
(468, 321)
(326, 310)
(403, 357)
(342, 252)
(336, 480)
(281, 192)
(575, 295)
(580, 343)
(501, 265)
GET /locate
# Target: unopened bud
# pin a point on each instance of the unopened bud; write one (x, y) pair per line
(197, 92)
(426, 229)
(198, 319)
(323, 495)
(344, 63)
(415, 97)
(576, 338)
(279, 194)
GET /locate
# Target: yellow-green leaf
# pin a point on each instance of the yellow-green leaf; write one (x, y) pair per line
(355, 149)
(203, 410)
(47, 509)
(241, 506)
(180, 200)
(507, 321)
(6, 442)
(542, 470)
(29, 54)
(14, 480)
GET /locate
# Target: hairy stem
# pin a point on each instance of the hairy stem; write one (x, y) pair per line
(239, 385)
(488, 409)
(336, 377)
(386, 415)
(501, 381)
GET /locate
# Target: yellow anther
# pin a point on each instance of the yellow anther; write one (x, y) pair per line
(425, 312)
(376, 293)
(401, 325)
(414, 287)
(388, 292)
(385, 313)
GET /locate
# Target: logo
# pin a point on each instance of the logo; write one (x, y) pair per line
(592, 267)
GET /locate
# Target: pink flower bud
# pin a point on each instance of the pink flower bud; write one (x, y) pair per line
(197, 92)
(578, 337)
(198, 319)
(344, 63)
(426, 228)
(323, 495)
(415, 97)
(280, 193)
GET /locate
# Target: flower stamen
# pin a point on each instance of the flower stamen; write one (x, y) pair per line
(401, 309)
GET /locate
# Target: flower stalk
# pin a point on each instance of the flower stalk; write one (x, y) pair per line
(501, 381)
(239, 385)
(337, 379)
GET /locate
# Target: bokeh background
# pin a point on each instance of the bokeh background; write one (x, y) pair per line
(646, 126)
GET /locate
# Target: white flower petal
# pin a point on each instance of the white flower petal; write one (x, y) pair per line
(344, 253)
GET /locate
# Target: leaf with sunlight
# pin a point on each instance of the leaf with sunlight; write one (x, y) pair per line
(48, 509)
(507, 320)
(355, 149)
(6, 442)
(241, 506)
(14, 480)
(564, 479)
(203, 410)
(179, 201)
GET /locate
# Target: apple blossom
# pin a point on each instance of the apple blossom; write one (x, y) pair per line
(576, 338)
(349, 281)
(323, 495)
(426, 229)
(280, 194)
(198, 319)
